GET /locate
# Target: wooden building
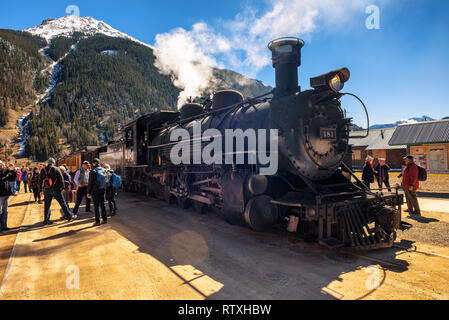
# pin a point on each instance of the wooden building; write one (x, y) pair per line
(427, 142)
(377, 146)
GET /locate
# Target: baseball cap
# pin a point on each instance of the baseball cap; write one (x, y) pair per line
(86, 162)
(409, 157)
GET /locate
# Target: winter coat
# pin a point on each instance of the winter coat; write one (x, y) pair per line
(382, 173)
(55, 175)
(5, 190)
(34, 181)
(67, 180)
(410, 177)
(12, 176)
(368, 173)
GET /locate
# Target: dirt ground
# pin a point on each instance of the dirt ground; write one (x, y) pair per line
(438, 183)
(154, 251)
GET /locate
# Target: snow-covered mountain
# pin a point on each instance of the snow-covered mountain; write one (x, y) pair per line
(67, 25)
(403, 121)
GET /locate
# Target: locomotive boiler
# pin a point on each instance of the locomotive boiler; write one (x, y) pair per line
(313, 191)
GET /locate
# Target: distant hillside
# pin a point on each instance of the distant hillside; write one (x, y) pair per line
(19, 62)
(96, 79)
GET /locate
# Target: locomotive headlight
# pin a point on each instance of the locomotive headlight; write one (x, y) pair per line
(334, 80)
(336, 84)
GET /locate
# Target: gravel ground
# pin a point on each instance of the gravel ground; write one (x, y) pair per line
(435, 182)
(431, 228)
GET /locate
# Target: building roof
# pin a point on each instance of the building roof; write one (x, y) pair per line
(423, 132)
(377, 140)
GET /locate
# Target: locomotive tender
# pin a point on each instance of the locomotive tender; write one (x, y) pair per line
(311, 193)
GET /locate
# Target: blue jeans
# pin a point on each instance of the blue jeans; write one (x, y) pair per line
(48, 197)
(4, 211)
(13, 186)
(18, 186)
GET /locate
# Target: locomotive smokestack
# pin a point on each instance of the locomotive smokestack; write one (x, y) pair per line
(286, 56)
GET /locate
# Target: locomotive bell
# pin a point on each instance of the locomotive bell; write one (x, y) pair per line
(286, 57)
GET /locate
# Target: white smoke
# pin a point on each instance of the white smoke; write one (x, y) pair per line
(241, 44)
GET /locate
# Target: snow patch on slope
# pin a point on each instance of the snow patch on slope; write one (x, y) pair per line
(22, 122)
(67, 25)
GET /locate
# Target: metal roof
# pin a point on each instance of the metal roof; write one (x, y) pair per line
(377, 140)
(423, 132)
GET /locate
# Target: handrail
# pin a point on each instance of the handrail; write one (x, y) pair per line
(367, 116)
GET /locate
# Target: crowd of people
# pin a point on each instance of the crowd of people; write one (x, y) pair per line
(96, 183)
(93, 182)
(409, 175)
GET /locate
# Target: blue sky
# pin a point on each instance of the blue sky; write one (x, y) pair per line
(400, 70)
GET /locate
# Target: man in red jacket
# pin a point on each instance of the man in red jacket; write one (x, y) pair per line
(410, 184)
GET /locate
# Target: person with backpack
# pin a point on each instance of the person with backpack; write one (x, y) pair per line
(111, 190)
(34, 184)
(382, 169)
(368, 172)
(81, 182)
(410, 184)
(98, 182)
(51, 182)
(5, 193)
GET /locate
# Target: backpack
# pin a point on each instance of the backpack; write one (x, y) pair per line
(48, 181)
(422, 173)
(116, 181)
(102, 178)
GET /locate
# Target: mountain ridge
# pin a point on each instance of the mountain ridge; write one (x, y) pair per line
(91, 80)
(403, 121)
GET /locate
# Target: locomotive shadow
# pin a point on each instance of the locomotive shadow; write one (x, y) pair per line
(245, 264)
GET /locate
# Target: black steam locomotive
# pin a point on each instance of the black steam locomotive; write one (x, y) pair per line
(311, 193)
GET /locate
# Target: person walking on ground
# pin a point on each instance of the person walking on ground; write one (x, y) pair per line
(51, 182)
(382, 175)
(29, 177)
(12, 179)
(34, 185)
(410, 184)
(18, 179)
(67, 192)
(5, 193)
(96, 190)
(111, 191)
(81, 182)
(25, 179)
(368, 172)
